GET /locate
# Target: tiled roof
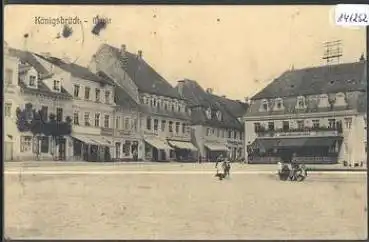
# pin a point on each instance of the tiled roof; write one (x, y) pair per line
(199, 101)
(28, 58)
(75, 70)
(317, 80)
(235, 107)
(143, 75)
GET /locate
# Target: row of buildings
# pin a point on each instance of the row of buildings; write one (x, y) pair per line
(121, 108)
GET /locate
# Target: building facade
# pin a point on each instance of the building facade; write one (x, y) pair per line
(317, 114)
(216, 128)
(92, 109)
(29, 86)
(163, 119)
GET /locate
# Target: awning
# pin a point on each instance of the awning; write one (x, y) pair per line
(296, 142)
(158, 143)
(182, 145)
(92, 140)
(216, 147)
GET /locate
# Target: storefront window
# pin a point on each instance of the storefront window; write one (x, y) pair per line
(127, 148)
(44, 144)
(26, 143)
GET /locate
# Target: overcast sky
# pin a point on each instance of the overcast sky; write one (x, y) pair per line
(236, 50)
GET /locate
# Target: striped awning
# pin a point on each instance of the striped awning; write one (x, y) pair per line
(182, 145)
(157, 143)
(92, 140)
(216, 147)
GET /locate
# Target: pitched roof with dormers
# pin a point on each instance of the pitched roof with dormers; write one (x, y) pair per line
(199, 101)
(344, 77)
(142, 74)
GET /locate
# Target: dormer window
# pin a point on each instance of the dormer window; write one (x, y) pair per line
(301, 102)
(323, 101)
(264, 105)
(56, 85)
(278, 104)
(219, 115)
(340, 99)
(32, 81)
(208, 113)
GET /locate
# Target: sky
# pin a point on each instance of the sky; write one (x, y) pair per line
(235, 50)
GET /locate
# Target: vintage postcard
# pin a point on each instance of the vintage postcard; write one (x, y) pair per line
(185, 122)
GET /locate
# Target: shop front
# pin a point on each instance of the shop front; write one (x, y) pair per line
(317, 150)
(127, 150)
(184, 150)
(157, 149)
(92, 148)
(214, 150)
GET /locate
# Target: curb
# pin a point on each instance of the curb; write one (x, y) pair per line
(335, 170)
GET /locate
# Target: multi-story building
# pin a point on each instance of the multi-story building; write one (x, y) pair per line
(92, 108)
(164, 120)
(216, 124)
(29, 85)
(318, 114)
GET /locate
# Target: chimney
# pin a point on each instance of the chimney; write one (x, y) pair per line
(247, 100)
(209, 90)
(139, 54)
(123, 49)
(180, 87)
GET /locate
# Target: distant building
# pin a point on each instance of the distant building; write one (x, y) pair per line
(216, 122)
(318, 113)
(164, 120)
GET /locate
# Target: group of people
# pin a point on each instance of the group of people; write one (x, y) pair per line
(293, 166)
(223, 166)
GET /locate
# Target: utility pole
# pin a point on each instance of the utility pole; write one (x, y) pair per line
(333, 52)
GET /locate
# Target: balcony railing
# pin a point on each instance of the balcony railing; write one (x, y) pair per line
(313, 131)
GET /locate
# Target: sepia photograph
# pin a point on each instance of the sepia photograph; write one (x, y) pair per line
(184, 122)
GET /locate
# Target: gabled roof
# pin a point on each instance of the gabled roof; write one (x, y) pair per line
(75, 70)
(143, 75)
(28, 58)
(317, 80)
(199, 101)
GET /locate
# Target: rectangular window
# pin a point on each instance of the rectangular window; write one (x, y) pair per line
(8, 76)
(235, 135)
(218, 132)
(170, 126)
(163, 122)
(156, 124)
(44, 113)
(332, 123)
(207, 131)
(106, 121)
(135, 124)
(229, 134)
(177, 127)
(56, 86)
(117, 150)
(223, 133)
(117, 122)
(148, 123)
(87, 93)
(97, 120)
(8, 109)
(44, 144)
(126, 124)
(97, 95)
(316, 123)
(348, 123)
(241, 136)
(76, 90)
(300, 124)
(285, 125)
(59, 114)
(32, 81)
(271, 126)
(107, 97)
(87, 118)
(25, 143)
(183, 128)
(76, 118)
(257, 127)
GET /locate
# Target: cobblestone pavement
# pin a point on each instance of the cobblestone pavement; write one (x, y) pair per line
(183, 206)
